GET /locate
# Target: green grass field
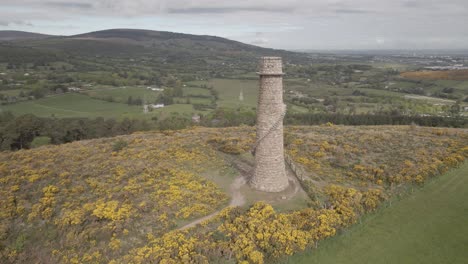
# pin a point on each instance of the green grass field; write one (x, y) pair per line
(190, 91)
(428, 226)
(78, 105)
(192, 100)
(15, 92)
(92, 103)
(121, 94)
(229, 91)
(73, 105)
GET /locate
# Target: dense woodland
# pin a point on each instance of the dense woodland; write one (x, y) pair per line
(30, 131)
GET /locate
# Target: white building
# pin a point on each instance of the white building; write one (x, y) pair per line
(157, 106)
(155, 89)
(74, 89)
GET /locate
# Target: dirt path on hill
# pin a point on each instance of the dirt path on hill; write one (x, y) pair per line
(237, 199)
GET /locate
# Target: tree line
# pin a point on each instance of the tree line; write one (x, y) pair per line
(375, 119)
(19, 132)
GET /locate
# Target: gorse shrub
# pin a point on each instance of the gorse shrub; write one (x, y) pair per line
(119, 145)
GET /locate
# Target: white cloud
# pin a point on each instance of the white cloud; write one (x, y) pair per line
(285, 24)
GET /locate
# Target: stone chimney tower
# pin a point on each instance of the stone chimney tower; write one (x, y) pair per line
(270, 173)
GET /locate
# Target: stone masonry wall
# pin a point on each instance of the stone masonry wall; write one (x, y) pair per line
(270, 173)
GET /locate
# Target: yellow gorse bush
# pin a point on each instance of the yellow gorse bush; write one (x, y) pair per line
(85, 203)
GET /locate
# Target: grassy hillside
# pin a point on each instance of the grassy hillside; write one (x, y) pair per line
(427, 227)
(123, 199)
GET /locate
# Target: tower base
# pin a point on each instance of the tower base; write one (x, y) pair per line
(269, 178)
(268, 187)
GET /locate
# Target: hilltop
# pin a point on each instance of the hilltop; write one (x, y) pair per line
(132, 199)
(133, 42)
(12, 35)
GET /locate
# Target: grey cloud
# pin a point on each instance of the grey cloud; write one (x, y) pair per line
(259, 42)
(223, 10)
(5, 23)
(412, 4)
(352, 11)
(260, 39)
(116, 8)
(78, 5)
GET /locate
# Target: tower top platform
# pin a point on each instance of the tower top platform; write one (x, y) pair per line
(270, 66)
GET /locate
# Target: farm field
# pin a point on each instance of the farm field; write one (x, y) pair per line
(437, 75)
(121, 94)
(190, 91)
(427, 226)
(230, 89)
(431, 99)
(78, 105)
(302, 95)
(137, 199)
(73, 105)
(15, 92)
(456, 90)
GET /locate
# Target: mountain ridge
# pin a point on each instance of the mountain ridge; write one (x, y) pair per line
(128, 41)
(12, 35)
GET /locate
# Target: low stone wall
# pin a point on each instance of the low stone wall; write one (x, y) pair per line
(298, 171)
(303, 178)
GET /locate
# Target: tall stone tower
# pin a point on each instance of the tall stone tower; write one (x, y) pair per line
(270, 173)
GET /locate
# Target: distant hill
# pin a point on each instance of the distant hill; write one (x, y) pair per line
(9, 35)
(150, 36)
(136, 42)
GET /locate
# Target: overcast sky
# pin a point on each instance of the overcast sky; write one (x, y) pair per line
(292, 24)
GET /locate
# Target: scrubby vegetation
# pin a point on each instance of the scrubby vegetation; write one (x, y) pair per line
(437, 75)
(122, 200)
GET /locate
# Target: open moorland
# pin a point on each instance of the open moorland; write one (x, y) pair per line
(137, 199)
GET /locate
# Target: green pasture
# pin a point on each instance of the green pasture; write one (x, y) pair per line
(121, 94)
(192, 100)
(191, 91)
(427, 226)
(89, 103)
(73, 105)
(230, 89)
(79, 105)
(15, 92)
(181, 109)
